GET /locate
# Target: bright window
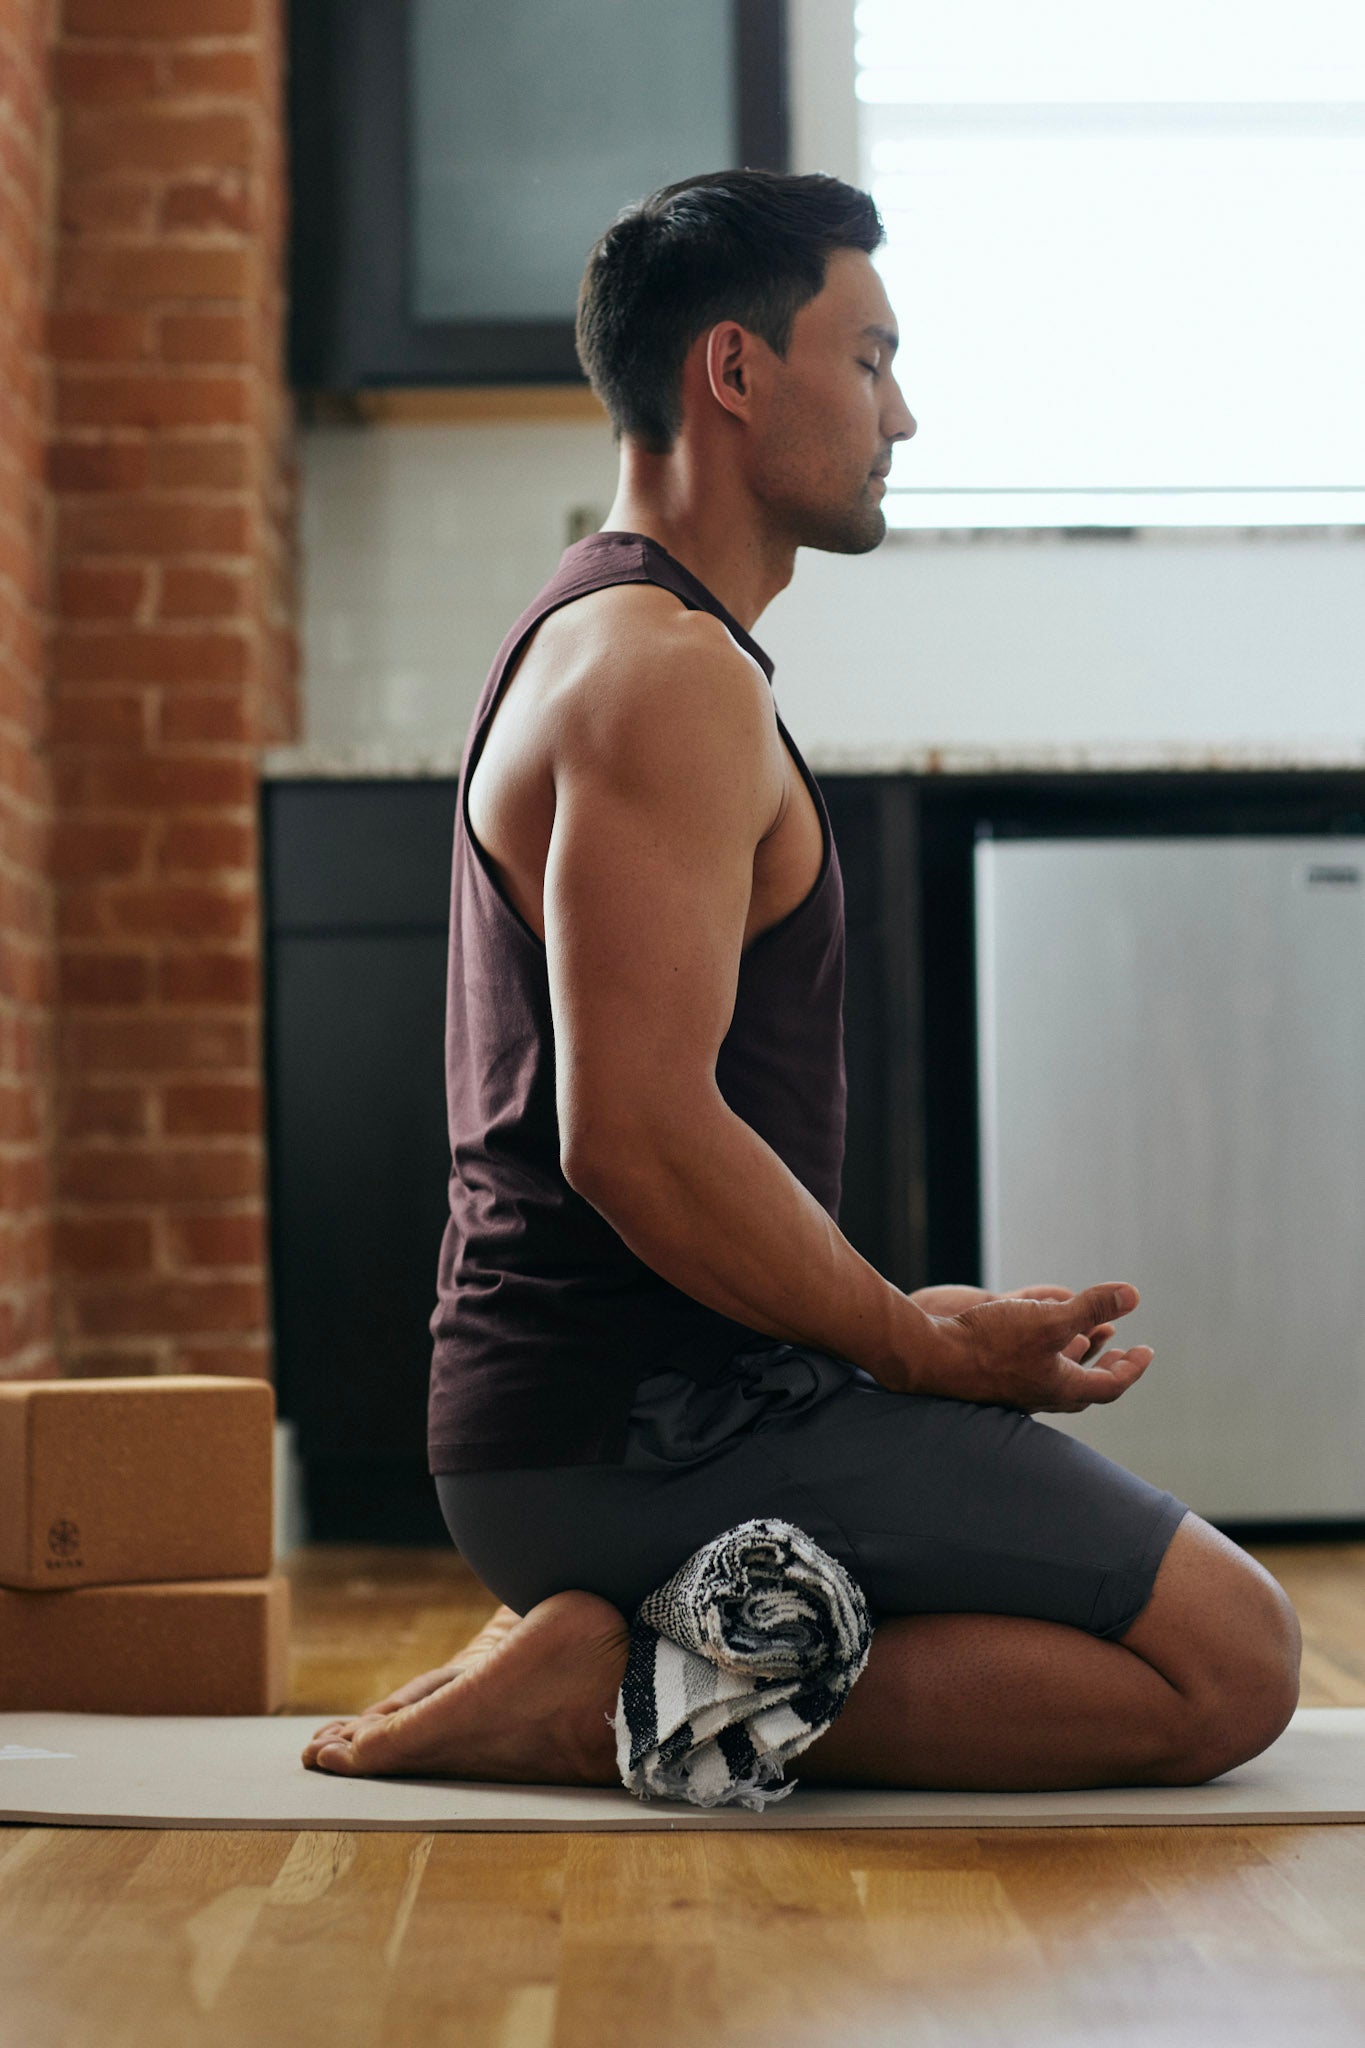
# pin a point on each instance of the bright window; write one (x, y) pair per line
(1126, 249)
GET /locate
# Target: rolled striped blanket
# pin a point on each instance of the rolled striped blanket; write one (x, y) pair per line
(736, 1665)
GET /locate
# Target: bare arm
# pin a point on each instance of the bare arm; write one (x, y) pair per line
(666, 779)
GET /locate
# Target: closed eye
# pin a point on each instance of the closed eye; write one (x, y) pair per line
(870, 366)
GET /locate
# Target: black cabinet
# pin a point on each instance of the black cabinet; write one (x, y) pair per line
(881, 1208)
(357, 892)
(357, 879)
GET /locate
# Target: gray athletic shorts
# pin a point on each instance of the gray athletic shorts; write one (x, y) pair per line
(934, 1506)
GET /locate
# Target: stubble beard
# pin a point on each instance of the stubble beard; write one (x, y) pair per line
(836, 530)
(850, 527)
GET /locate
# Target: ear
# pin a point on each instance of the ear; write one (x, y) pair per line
(728, 361)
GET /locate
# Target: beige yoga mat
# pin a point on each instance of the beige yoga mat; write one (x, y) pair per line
(243, 1771)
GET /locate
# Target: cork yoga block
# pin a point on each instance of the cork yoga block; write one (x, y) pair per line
(212, 1646)
(124, 1481)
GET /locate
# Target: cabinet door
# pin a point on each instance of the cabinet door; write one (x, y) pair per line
(881, 1211)
(361, 1160)
(357, 893)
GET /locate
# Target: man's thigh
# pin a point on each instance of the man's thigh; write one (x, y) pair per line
(971, 1507)
(612, 1530)
(932, 1505)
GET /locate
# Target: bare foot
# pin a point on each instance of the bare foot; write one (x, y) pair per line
(474, 1652)
(536, 1709)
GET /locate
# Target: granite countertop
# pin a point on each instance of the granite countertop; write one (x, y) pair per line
(366, 761)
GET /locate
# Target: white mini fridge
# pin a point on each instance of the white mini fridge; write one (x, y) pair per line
(1171, 1072)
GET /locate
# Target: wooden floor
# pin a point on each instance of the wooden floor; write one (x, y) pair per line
(1134, 1936)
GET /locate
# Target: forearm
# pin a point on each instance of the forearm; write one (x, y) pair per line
(709, 1205)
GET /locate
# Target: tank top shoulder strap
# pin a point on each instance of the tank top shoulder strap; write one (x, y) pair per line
(595, 563)
(612, 557)
(602, 559)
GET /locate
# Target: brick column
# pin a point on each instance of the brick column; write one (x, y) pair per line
(27, 965)
(171, 667)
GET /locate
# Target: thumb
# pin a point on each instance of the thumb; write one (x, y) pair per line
(1099, 1304)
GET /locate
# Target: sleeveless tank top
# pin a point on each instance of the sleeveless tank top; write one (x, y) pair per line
(545, 1320)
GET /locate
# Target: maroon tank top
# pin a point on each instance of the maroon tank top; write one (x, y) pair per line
(545, 1319)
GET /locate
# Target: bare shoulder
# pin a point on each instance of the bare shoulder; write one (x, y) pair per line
(630, 631)
(640, 679)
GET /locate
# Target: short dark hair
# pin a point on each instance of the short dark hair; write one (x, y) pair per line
(743, 245)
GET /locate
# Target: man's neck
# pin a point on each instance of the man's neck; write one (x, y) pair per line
(712, 531)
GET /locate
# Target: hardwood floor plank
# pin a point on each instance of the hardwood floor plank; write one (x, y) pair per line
(639, 1938)
(629, 1990)
(314, 1969)
(1325, 1869)
(479, 1958)
(18, 1847)
(159, 1953)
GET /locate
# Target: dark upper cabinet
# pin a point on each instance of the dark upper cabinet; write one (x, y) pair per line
(453, 163)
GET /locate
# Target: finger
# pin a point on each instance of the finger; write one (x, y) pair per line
(1109, 1377)
(1099, 1337)
(1104, 1304)
(1044, 1293)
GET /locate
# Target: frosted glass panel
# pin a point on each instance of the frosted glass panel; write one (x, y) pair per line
(535, 122)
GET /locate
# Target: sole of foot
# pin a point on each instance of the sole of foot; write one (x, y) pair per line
(537, 1709)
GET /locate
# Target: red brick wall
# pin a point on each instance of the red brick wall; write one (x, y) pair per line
(170, 666)
(27, 963)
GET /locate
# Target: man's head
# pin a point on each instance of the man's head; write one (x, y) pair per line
(746, 300)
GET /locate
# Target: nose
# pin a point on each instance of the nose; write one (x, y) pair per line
(901, 424)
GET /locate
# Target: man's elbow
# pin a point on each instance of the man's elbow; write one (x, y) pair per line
(629, 1157)
(603, 1171)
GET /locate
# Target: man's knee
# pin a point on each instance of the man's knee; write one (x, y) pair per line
(1256, 1713)
(1225, 1634)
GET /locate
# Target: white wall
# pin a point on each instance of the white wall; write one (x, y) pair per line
(421, 545)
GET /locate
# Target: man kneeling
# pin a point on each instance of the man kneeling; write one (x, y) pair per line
(649, 1326)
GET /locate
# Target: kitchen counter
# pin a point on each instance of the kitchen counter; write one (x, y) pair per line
(370, 760)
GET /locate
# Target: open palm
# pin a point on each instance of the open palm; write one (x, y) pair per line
(950, 1301)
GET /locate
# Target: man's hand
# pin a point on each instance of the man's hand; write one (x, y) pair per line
(951, 1301)
(1033, 1350)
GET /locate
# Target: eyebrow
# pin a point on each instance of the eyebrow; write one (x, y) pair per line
(886, 335)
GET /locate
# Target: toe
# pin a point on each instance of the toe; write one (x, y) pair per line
(338, 1758)
(376, 1742)
(331, 1731)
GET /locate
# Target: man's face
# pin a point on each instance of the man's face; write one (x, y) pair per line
(832, 411)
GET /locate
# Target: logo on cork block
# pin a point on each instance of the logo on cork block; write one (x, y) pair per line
(64, 1543)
